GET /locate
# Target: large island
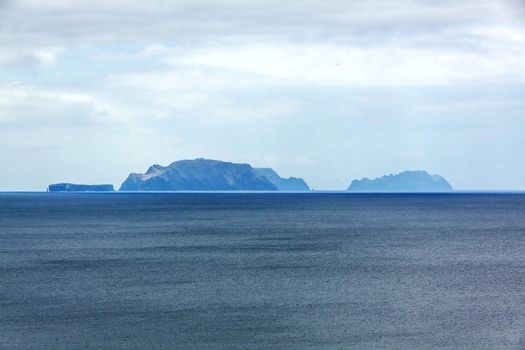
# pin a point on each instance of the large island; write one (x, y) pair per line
(406, 181)
(210, 175)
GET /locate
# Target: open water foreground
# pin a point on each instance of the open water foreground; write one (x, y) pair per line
(262, 271)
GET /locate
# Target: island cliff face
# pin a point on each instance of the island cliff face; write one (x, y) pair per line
(201, 175)
(68, 187)
(406, 181)
(282, 184)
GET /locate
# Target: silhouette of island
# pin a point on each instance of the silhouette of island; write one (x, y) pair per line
(210, 175)
(406, 181)
(69, 187)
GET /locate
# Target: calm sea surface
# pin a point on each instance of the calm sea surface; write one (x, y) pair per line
(262, 271)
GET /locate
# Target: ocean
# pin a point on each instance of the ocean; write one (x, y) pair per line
(262, 271)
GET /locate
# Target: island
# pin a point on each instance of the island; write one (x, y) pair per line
(209, 175)
(406, 181)
(69, 187)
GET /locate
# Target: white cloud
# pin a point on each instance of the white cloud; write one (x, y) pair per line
(189, 21)
(43, 56)
(47, 56)
(256, 66)
(33, 106)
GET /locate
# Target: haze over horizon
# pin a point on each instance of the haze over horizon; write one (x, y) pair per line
(329, 91)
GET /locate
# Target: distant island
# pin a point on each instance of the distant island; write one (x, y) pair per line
(210, 175)
(68, 187)
(406, 181)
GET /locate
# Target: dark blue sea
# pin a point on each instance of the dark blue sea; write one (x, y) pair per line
(262, 271)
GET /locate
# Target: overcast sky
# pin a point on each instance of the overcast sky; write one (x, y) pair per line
(323, 89)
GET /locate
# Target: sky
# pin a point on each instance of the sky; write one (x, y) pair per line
(328, 90)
